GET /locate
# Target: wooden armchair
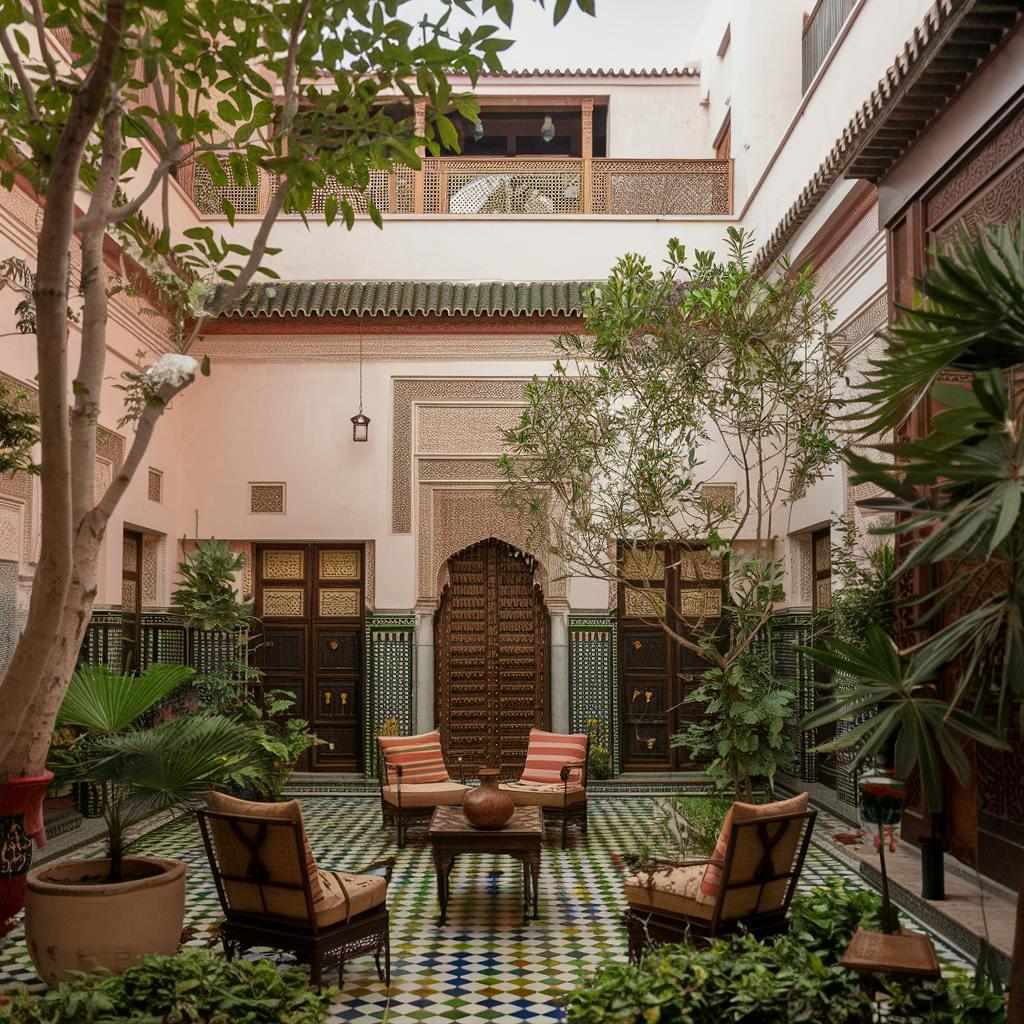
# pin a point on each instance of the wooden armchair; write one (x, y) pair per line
(414, 780)
(273, 894)
(746, 885)
(554, 778)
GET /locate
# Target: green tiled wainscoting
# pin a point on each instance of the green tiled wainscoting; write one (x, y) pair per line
(593, 671)
(390, 700)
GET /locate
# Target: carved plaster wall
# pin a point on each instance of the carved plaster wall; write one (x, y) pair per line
(463, 396)
(452, 517)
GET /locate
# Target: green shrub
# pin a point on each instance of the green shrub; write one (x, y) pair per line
(192, 987)
(793, 977)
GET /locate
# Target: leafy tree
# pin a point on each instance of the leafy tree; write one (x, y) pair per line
(108, 98)
(703, 371)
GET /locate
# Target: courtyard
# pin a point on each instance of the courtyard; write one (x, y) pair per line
(484, 964)
(511, 510)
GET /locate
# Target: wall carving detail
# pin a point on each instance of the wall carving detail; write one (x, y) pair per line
(463, 429)
(453, 518)
(406, 393)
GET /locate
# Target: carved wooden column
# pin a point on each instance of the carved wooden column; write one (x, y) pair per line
(420, 127)
(587, 152)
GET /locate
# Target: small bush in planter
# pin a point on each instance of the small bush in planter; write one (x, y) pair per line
(792, 977)
(192, 986)
(143, 770)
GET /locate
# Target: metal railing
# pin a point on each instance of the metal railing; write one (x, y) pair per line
(821, 28)
(524, 186)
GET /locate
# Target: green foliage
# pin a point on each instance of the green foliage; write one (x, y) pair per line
(144, 770)
(877, 682)
(599, 758)
(969, 315)
(207, 597)
(191, 986)
(741, 734)
(698, 822)
(793, 977)
(19, 431)
(279, 738)
(863, 592)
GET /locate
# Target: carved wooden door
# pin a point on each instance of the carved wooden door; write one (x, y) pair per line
(309, 599)
(657, 674)
(491, 656)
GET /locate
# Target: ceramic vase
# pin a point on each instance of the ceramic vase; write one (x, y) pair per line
(488, 807)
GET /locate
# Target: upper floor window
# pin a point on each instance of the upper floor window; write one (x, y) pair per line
(821, 29)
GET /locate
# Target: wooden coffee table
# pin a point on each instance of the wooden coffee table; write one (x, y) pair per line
(451, 834)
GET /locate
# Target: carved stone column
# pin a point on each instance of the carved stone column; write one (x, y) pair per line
(559, 613)
(424, 671)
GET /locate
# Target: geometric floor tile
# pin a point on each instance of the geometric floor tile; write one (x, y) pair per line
(485, 965)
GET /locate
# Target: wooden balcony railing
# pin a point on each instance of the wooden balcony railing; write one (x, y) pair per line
(524, 186)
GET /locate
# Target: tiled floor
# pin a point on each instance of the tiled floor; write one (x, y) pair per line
(485, 965)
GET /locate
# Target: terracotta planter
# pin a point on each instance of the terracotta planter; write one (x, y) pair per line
(487, 807)
(75, 921)
(21, 821)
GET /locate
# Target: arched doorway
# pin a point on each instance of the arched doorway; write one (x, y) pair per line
(491, 656)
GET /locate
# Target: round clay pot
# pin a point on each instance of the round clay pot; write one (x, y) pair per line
(76, 921)
(488, 807)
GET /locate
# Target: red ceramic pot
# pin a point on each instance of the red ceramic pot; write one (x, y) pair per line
(21, 821)
(488, 807)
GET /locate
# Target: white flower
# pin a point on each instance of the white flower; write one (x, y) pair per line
(173, 369)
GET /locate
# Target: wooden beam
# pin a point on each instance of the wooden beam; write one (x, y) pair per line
(587, 153)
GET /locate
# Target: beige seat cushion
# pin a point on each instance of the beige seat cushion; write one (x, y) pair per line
(541, 794)
(347, 896)
(433, 794)
(671, 891)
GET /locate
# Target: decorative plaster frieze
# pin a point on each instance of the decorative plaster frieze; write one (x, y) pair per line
(344, 348)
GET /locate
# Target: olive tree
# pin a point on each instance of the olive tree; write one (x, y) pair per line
(103, 102)
(704, 371)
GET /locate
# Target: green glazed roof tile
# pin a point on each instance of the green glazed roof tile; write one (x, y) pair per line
(411, 298)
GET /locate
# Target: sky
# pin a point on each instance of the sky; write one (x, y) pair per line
(624, 34)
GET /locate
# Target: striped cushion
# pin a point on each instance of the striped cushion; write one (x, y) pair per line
(420, 758)
(548, 752)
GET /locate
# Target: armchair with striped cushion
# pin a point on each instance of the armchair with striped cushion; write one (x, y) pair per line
(414, 780)
(554, 778)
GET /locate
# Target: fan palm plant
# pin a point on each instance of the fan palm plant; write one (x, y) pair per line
(142, 769)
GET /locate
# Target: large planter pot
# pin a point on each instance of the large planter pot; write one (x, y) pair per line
(21, 821)
(77, 921)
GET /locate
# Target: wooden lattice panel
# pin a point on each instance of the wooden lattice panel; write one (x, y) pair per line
(283, 602)
(244, 196)
(338, 603)
(267, 498)
(645, 602)
(492, 637)
(155, 487)
(339, 565)
(284, 565)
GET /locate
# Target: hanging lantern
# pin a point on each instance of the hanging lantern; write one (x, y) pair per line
(478, 130)
(360, 427)
(547, 129)
(360, 423)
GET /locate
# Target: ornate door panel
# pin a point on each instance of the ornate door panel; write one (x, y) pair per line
(309, 598)
(491, 656)
(656, 673)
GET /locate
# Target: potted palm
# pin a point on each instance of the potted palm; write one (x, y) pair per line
(107, 912)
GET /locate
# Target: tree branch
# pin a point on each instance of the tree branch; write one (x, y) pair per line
(44, 46)
(19, 72)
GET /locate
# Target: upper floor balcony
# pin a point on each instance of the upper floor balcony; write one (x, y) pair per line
(529, 186)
